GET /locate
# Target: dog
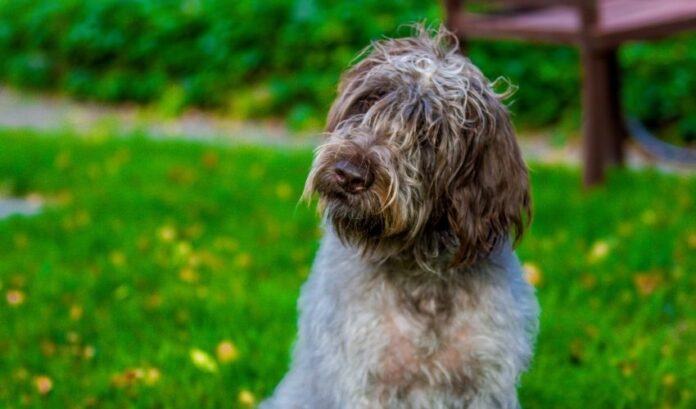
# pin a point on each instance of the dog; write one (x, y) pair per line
(416, 299)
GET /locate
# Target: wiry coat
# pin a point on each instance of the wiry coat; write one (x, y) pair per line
(416, 299)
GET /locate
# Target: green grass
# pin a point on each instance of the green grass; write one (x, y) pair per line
(151, 254)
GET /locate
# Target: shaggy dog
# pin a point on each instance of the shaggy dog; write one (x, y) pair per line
(416, 299)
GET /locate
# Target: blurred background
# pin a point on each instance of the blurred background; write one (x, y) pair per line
(152, 153)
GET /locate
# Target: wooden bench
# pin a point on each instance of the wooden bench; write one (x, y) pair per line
(598, 28)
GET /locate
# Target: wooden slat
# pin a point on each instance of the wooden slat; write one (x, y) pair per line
(619, 21)
(553, 24)
(627, 20)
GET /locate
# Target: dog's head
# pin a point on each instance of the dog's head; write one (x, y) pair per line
(420, 155)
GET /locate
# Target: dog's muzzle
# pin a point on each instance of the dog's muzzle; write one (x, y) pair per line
(352, 177)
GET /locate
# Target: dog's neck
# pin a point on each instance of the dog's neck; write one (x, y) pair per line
(429, 294)
(427, 261)
(430, 258)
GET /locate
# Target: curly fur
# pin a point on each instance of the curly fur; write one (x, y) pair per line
(416, 298)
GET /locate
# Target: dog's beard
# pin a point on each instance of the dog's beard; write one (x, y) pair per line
(354, 227)
(384, 227)
(355, 218)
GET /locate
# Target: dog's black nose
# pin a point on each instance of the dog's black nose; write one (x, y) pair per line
(352, 178)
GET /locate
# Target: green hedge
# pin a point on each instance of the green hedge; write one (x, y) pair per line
(283, 57)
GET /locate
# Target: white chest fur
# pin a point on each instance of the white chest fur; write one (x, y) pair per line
(365, 343)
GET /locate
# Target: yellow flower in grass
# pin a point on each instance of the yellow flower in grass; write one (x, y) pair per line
(203, 361)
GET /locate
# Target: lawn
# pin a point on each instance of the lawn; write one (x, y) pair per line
(165, 274)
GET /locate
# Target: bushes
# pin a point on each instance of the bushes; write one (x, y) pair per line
(283, 57)
(254, 58)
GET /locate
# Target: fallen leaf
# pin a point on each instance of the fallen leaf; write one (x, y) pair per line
(166, 233)
(691, 240)
(246, 398)
(283, 191)
(117, 258)
(588, 281)
(669, 380)
(75, 312)
(127, 378)
(243, 260)
(15, 298)
(88, 352)
(227, 352)
(532, 274)
(183, 248)
(151, 376)
(649, 217)
(647, 283)
(43, 384)
(203, 361)
(210, 160)
(188, 275)
(599, 251)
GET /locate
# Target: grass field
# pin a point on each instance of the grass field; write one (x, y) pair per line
(165, 274)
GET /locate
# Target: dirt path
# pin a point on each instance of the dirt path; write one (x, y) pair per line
(51, 113)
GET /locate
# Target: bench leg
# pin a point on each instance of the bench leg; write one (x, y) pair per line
(617, 125)
(603, 127)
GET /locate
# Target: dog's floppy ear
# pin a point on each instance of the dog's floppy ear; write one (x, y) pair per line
(490, 196)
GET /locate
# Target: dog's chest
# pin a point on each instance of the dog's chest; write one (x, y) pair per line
(424, 345)
(417, 355)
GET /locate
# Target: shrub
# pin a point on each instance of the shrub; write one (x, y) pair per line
(283, 57)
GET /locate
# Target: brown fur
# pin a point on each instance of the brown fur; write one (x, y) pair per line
(449, 180)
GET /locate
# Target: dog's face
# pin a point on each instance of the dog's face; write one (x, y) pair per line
(420, 155)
